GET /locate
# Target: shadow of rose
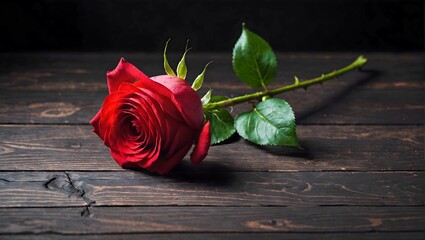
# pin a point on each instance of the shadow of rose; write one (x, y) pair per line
(207, 174)
(213, 174)
(303, 153)
(370, 75)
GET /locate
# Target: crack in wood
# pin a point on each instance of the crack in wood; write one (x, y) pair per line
(4, 179)
(88, 210)
(46, 184)
(73, 188)
(64, 183)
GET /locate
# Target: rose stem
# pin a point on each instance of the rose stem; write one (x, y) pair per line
(359, 62)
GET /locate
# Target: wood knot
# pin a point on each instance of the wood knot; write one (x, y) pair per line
(76, 145)
(5, 150)
(277, 225)
(55, 109)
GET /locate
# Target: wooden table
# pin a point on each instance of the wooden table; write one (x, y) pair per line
(360, 175)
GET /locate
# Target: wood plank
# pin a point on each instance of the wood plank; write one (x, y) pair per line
(358, 148)
(60, 89)
(69, 88)
(107, 220)
(348, 105)
(129, 188)
(86, 71)
(227, 236)
(49, 107)
(320, 105)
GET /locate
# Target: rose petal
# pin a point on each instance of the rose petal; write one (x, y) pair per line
(124, 72)
(166, 116)
(109, 115)
(192, 110)
(200, 150)
(124, 159)
(163, 166)
(116, 109)
(95, 123)
(168, 104)
(179, 137)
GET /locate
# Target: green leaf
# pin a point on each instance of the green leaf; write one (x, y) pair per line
(199, 80)
(181, 67)
(272, 122)
(167, 67)
(206, 98)
(254, 61)
(221, 125)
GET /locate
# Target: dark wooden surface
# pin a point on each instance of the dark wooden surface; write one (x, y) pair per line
(359, 176)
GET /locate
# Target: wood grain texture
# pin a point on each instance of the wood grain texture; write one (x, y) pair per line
(359, 176)
(41, 189)
(225, 236)
(320, 105)
(63, 89)
(341, 148)
(87, 71)
(108, 220)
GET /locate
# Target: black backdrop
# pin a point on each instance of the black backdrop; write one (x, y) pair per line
(211, 25)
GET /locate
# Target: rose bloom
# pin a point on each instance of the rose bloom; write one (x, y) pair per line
(151, 123)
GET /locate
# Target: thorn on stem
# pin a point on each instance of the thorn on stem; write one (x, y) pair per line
(297, 81)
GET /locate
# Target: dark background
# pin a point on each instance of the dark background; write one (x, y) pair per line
(211, 25)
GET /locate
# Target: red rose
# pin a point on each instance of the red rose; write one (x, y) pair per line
(151, 123)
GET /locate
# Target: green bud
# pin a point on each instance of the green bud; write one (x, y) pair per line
(181, 67)
(206, 98)
(167, 67)
(199, 80)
